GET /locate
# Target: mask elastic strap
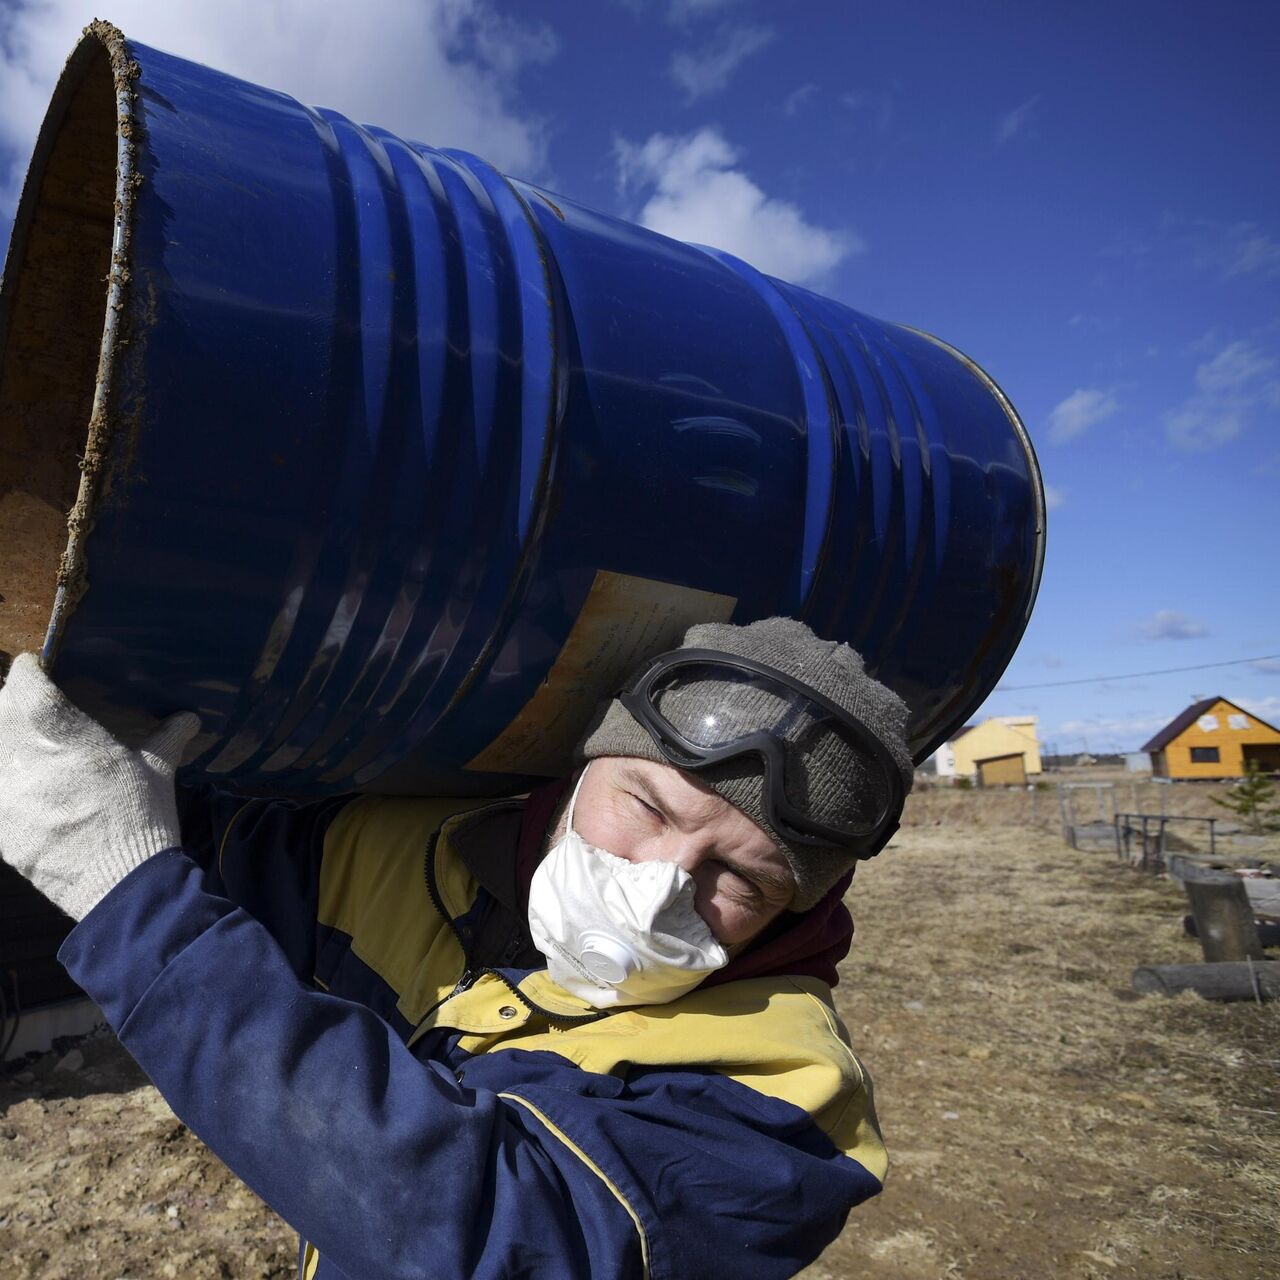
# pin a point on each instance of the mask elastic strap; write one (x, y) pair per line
(573, 800)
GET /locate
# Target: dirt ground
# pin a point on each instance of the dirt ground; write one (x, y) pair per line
(1042, 1120)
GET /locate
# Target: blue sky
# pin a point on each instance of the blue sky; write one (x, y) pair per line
(1084, 197)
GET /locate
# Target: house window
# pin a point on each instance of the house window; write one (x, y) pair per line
(1238, 722)
(1204, 755)
(1208, 723)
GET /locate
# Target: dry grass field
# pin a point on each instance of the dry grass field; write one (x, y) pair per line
(1042, 1121)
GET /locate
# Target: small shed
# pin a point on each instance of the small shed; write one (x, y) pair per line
(1214, 738)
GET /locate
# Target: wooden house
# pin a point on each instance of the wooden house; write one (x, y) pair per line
(1214, 738)
(1001, 751)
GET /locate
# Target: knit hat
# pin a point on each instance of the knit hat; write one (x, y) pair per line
(821, 779)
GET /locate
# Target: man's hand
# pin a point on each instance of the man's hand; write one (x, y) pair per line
(78, 809)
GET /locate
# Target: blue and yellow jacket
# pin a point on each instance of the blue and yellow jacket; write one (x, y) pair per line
(341, 1000)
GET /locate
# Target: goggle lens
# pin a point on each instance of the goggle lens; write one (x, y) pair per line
(708, 705)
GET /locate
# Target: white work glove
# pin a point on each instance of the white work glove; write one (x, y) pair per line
(78, 809)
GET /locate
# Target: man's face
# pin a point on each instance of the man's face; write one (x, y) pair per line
(642, 811)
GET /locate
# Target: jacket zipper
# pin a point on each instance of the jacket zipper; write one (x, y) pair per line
(471, 976)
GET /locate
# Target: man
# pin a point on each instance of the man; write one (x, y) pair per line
(586, 1033)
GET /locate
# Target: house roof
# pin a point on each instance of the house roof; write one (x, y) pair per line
(1190, 716)
(1016, 723)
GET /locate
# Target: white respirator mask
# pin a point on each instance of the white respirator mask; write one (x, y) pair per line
(616, 932)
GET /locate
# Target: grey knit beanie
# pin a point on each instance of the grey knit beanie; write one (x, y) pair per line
(820, 780)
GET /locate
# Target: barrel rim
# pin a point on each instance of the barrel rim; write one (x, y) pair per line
(1041, 513)
(99, 38)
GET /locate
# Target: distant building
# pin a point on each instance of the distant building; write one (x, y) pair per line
(1214, 738)
(1137, 762)
(1001, 751)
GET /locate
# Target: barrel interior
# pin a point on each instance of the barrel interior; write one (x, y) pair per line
(51, 327)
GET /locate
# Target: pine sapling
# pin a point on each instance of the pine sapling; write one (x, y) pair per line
(1251, 798)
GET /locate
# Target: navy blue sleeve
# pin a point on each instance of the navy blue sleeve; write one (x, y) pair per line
(724, 1180)
(264, 855)
(390, 1166)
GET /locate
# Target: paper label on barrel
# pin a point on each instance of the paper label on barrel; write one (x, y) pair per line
(623, 621)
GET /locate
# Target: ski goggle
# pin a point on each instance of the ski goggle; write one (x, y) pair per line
(809, 745)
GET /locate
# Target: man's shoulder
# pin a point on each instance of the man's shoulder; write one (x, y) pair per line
(740, 1027)
(410, 818)
(375, 849)
(777, 1036)
(384, 826)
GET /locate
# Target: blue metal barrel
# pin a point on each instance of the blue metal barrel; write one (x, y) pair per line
(390, 466)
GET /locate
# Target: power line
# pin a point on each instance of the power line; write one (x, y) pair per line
(1133, 675)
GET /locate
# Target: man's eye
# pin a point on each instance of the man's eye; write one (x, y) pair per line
(742, 884)
(644, 804)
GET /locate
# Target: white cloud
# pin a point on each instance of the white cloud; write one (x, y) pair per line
(1267, 708)
(874, 107)
(1266, 666)
(1202, 424)
(682, 12)
(1251, 252)
(796, 99)
(706, 71)
(1233, 368)
(1124, 732)
(1096, 324)
(1082, 409)
(1169, 624)
(1054, 497)
(1232, 249)
(1110, 733)
(1231, 388)
(695, 191)
(441, 71)
(504, 43)
(1018, 120)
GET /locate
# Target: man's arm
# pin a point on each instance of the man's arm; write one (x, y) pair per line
(387, 1164)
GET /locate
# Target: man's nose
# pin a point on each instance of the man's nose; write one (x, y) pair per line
(684, 851)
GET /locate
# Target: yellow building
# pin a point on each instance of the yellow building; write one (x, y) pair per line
(1213, 738)
(1000, 751)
